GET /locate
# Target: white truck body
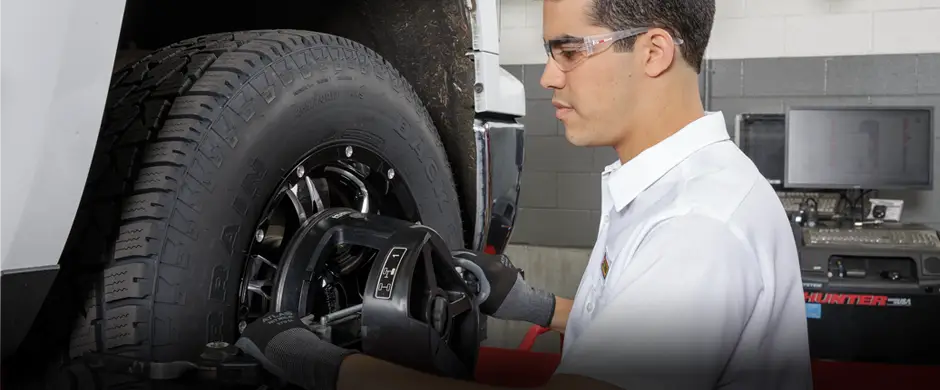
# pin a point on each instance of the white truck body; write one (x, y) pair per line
(51, 109)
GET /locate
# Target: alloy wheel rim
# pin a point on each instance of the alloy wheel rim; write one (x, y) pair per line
(338, 175)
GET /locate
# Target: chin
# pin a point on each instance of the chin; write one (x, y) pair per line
(577, 137)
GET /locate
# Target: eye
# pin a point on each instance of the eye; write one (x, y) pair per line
(568, 50)
(568, 54)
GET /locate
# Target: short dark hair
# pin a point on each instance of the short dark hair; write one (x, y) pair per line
(690, 20)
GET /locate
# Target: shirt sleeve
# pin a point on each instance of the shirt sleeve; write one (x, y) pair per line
(674, 315)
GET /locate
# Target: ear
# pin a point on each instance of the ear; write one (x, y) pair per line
(661, 52)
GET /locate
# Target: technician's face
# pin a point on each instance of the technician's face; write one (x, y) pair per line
(594, 98)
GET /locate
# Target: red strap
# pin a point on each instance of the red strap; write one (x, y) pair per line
(535, 331)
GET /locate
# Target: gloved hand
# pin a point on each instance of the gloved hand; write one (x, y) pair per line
(289, 350)
(510, 298)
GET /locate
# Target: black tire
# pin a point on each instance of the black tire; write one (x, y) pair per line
(201, 132)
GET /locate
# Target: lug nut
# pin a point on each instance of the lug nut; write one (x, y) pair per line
(217, 345)
(391, 174)
(259, 235)
(300, 171)
(241, 327)
(349, 151)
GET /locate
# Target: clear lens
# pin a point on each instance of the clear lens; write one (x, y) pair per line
(566, 55)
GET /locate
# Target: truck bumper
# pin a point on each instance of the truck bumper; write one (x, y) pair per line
(499, 158)
(23, 292)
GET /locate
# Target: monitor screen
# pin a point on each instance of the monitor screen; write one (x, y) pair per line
(762, 137)
(866, 148)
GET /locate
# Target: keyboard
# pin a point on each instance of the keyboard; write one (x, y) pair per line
(826, 202)
(873, 238)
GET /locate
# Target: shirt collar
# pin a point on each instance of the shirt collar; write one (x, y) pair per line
(626, 181)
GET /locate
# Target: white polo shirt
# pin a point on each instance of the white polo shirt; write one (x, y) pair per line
(694, 281)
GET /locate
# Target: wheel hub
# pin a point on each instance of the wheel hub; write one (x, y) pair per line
(322, 249)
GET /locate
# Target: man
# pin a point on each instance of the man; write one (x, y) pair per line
(693, 282)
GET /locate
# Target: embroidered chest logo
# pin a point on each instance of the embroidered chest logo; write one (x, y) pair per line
(605, 266)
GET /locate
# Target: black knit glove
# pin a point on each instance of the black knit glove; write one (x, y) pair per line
(288, 349)
(510, 298)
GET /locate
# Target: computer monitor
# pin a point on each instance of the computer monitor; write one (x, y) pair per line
(859, 148)
(762, 137)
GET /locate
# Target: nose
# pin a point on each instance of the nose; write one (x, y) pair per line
(552, 77)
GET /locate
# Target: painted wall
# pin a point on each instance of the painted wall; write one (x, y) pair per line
(520, 32)
(804, 28)
(771, 28)
(560, 203)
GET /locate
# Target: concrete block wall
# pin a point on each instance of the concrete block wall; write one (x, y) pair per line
(810, 60)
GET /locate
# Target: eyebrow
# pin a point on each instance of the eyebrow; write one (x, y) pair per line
(562, 36)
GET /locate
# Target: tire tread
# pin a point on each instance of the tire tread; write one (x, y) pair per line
(152, 151)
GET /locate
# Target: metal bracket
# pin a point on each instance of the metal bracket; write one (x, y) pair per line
(323, 329)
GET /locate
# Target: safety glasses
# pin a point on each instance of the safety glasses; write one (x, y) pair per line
(569, 52)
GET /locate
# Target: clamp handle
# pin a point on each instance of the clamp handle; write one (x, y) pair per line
(477, 272)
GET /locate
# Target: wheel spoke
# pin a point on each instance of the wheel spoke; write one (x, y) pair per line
(308, 193)
(314, 194)
(257, 287)
(364, 207)
(295, 201)
(260, 260)
(253, 284)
